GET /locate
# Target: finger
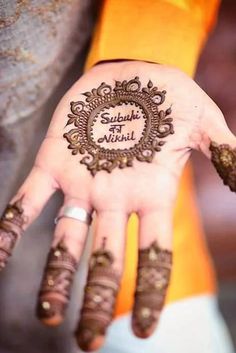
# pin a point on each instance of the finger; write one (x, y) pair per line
(103, 280)
(23, 209)
(62, 261)
(154, 269)
(219, 144)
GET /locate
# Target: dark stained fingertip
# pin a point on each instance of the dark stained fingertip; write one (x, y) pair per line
(88, 341)
(154, 268)
(56, 320)
(99, 300)
(50, 311)
(56, 285)
(143, 333)
(223, 158)
(145, 321)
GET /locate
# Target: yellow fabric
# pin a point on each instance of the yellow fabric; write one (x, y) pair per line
(167, 32)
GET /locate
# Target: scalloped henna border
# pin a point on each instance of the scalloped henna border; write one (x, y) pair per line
(157, 126)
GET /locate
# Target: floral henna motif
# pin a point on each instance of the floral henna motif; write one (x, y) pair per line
(100, 122)
(11, 228)
(56, 285)
(224, 159)
(154, 270)
(99, 299)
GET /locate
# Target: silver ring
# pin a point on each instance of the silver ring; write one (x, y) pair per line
(78, 213)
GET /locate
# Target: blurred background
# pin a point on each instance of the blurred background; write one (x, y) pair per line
(216, 74)
(24, 120)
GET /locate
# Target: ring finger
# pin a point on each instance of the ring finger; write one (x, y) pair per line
(70, 234)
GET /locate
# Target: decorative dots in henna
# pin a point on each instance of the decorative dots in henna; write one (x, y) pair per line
(154, 269)
(56, 285)
(99, 300)
(116, 125)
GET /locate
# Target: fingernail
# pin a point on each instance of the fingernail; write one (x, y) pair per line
(89, 341)
(144, 322)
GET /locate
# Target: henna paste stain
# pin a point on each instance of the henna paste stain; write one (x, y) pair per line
(224, 159)
(154, 268)
(11, 228)
(56, 285)
(99, 300)
(115, 126)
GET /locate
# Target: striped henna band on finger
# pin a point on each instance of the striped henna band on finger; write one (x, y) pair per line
(56, 285)
(11, 228)
(154, 268)
(224, 159)
(99, 300)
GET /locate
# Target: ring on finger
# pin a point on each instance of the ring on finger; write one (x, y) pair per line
(78, 213)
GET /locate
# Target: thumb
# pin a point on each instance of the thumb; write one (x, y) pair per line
(218, 143)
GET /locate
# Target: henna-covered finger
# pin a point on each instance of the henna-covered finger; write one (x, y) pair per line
(60, 268)
(56, 285)
(153, 276)
(154, 269)
(99, 300)
(103, 281)
(223, 157)
(22, 210)
(11, 228)
(218, 143)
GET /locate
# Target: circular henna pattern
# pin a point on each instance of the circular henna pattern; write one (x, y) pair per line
(116, 125)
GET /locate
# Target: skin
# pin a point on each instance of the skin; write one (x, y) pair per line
(149, 189)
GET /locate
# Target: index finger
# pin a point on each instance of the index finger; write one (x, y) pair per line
(24, 207)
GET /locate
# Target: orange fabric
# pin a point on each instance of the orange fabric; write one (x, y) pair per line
(167, 32)
(192, 272)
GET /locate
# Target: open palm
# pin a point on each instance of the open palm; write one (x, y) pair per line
(116, 184)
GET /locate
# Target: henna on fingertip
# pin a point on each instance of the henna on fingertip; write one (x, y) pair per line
(154, 269)
(56, 285)
(11, 229)
(99, 300)
(223, 158)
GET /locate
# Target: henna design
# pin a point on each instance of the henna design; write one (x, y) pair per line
(224, 159)
(99, 298)
(56, 285)
(11, 228)
(154, 268)
(103, 106)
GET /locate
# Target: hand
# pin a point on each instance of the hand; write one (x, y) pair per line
(132, 140)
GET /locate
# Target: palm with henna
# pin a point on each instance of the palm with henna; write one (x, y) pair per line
(130, 128)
